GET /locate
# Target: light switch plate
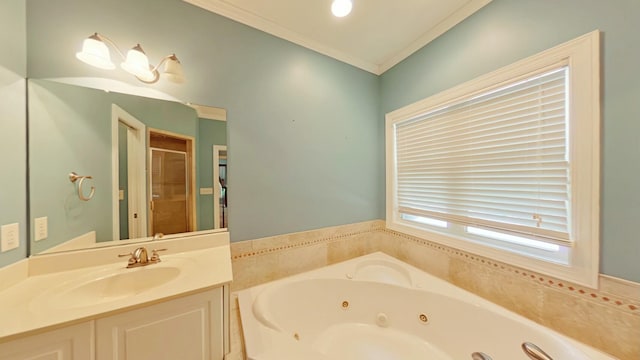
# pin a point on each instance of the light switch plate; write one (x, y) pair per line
(41, 231)
(206, 191)
(10, 235)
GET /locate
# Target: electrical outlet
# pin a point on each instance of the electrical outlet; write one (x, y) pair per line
(41, 228)
(10, 235)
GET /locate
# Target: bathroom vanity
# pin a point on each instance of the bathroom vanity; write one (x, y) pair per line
(85, 305)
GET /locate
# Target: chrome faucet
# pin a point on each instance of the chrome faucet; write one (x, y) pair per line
(140, 257)
(140, 254)
(480, 356)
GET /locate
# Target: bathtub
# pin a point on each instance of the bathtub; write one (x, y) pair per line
(376, 307)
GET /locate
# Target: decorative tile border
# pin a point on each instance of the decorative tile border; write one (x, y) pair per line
(280, 243)
(307, 238)
(627, 304)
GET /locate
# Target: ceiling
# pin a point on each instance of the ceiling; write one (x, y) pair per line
(377, 34)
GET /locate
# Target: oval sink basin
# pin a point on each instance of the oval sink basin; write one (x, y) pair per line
(126, 283)
(113, 286)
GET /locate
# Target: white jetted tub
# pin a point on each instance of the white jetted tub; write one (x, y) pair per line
(376, 307)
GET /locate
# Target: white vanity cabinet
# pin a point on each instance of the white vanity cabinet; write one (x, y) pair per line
(83, 305)
(67, 343)
(190, 327)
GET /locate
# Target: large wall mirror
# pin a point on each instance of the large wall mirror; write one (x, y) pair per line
(107, 166)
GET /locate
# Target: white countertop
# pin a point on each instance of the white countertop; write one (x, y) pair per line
(30, 304)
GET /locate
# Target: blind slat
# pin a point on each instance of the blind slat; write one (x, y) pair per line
(498, 160)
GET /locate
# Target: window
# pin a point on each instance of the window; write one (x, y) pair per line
(506, 165)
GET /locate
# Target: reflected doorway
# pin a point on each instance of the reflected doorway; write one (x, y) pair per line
(220, 191)
(128, 169)
(172, 180)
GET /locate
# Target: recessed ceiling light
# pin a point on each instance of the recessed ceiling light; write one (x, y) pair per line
(341, 8)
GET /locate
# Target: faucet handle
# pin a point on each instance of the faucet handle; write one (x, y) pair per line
(154, 255)
(132, 258)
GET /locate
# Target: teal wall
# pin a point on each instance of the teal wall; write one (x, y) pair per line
(210, 132)
(304, 148)
(505, 31)
(13, 157)
(70, 130)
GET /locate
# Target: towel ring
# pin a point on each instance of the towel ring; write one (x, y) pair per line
(73, 177)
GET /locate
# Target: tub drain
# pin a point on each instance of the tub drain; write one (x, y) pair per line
(345, 305)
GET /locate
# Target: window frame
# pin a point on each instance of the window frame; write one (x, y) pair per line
(583, 58)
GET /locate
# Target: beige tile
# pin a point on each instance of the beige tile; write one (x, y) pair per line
(243, 273)
(423, 257)
(301, 259)
(254, 270)
(601, 326)
(361, 244)
(435, 262)
(386, 242)
(272, 242)
(320, 235)
(341, 250)
(519, 295)
(349, 247)
(241, 248)
(237, 339)
(620, 287)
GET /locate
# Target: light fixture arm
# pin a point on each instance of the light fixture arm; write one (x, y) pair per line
(164, 59)
(110, 42)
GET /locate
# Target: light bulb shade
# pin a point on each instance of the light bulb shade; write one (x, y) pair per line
(341, 8)
(173, 70)
(95, 53)
(137, 64)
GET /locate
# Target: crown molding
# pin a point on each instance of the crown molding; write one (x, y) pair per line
(235, 13)
(210, 112)
(452, 20)
(247, 18)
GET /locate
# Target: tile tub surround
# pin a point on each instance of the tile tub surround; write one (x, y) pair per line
(235, 332)
(607, 318)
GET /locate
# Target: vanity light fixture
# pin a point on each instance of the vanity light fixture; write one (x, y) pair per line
(341, 8)
(95, 52)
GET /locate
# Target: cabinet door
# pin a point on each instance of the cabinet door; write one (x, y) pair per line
(184, 328)
(68, 343)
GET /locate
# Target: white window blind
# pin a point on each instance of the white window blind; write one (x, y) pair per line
(498, 160)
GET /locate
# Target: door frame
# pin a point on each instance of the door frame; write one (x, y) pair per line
(136, 171)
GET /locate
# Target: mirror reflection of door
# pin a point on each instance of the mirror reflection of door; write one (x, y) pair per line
(220, 191)
(171, 175)
(129, 198)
